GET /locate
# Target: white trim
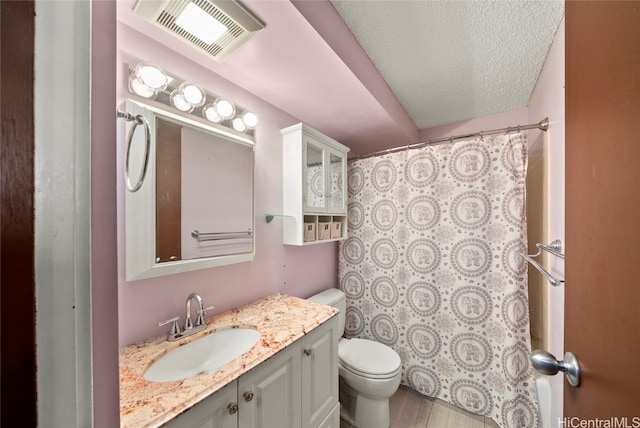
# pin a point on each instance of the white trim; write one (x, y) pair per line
(62, 213)
(140, 206)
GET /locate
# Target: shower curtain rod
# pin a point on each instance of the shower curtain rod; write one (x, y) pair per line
(543, 125)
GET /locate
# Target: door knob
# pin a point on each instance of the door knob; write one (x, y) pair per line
(547, 364)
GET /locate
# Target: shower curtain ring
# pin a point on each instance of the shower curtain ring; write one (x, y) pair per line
(518, 128)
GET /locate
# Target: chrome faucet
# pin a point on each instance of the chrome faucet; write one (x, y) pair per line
(189, 326)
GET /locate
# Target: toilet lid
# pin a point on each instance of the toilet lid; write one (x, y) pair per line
(368, 357)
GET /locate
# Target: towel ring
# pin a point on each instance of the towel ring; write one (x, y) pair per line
(138, 120)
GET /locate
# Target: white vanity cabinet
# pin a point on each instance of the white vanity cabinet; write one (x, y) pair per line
(269, 395)
(295, 388)
(217, 411)
(314, 186)
(319, 351)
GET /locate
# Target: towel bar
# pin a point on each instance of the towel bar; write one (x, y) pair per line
(554, 248)
(218, 236)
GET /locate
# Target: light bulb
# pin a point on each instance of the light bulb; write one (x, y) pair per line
(152, 76)
(210, 113)
(139, 88)
(193, 94)
(225, 108)
(238, 124)
(250, 119)
(178, 101)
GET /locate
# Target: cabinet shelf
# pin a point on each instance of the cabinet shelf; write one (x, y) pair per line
(269, 217)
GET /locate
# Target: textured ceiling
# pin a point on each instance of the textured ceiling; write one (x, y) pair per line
(448, 61)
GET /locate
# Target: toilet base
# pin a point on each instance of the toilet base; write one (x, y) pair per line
(360, 411)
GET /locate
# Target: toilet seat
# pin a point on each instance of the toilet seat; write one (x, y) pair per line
(368, 359)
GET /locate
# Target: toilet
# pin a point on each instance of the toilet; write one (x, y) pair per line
(369, 372)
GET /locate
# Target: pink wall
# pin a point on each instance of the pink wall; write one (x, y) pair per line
(298, 271)
(494, 121)
(548, 100)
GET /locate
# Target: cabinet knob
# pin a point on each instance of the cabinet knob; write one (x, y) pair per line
(248, 396)
(232, 408)
(307, 352)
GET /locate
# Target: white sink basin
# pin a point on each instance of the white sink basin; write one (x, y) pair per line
(203, 355)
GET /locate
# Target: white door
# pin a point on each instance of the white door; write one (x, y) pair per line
(602, 288)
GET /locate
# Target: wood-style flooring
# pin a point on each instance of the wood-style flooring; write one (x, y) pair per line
(412, 410)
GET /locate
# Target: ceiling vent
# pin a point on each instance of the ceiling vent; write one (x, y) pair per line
(217, 27)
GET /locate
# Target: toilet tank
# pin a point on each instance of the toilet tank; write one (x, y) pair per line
(335, 298)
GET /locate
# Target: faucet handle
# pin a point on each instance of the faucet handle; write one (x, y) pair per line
(175, 328)
(201, 314)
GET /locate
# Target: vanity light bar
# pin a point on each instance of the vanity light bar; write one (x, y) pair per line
(150, 81)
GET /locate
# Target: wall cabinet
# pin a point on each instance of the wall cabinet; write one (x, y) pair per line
(314, 186)
(295, 388)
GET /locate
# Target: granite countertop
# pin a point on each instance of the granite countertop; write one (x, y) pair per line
(279, 318)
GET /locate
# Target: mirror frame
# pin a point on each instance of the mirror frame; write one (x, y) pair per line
(140, 206)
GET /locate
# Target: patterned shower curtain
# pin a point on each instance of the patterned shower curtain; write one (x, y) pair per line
(432, 268)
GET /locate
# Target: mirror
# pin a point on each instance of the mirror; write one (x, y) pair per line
(315, 177)
(194, 209)
(336, 198)
(323, 190)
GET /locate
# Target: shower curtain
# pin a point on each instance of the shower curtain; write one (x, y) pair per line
(432, 268)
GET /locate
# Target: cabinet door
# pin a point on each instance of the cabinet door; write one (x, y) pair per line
(319, 349)
(212, 412)
(269, 395)
(333, 418)
(336, 183)
(314, 177)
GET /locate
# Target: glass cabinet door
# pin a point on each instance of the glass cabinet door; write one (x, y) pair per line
(336, 185)
(314, 198)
